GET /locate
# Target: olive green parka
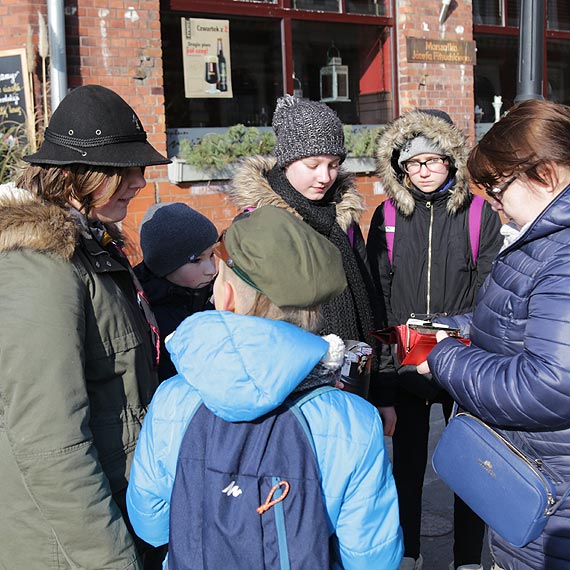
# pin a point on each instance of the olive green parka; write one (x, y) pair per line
(77, 372)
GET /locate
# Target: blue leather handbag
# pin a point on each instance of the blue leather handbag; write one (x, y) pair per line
(512, 491)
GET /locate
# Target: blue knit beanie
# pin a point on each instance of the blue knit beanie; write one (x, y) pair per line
(173, 234)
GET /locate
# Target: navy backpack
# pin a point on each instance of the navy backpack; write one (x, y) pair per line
(247, 495)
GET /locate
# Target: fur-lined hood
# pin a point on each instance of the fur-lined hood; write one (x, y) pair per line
(26, 222)
(250, 188)
(434, 128)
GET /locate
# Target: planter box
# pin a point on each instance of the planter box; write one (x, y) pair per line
(179, 171)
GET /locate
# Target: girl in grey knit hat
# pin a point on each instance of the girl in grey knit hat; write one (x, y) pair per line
(305, 177)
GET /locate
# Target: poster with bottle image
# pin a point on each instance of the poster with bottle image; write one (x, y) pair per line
(206, 58)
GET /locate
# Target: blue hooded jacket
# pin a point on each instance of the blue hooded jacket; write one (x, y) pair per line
(242, 367)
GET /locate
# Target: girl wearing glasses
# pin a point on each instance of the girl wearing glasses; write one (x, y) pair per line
(515, 373)
(421, 159)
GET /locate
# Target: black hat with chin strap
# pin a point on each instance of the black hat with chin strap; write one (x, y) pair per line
(93, 125)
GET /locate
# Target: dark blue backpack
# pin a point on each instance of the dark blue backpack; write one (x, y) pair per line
(247, 495)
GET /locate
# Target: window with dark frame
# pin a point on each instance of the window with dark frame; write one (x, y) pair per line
(259, 47)
(496, 33)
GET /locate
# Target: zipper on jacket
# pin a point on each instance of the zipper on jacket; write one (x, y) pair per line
(430, 235)
(281, 531)
(535, 465)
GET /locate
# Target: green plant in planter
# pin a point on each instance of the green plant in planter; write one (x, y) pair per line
(216, 151)
(360, 141)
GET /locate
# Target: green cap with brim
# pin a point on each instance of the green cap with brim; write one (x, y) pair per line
(285, 259)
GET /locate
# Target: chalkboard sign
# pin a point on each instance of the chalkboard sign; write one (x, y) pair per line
(15, 94)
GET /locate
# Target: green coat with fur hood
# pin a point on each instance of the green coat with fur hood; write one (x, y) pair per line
(76, 376)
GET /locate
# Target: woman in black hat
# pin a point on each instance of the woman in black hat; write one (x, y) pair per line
(78, 343)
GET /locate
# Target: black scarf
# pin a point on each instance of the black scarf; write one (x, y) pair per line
(349, 315)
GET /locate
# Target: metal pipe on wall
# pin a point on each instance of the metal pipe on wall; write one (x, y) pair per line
(58, 62)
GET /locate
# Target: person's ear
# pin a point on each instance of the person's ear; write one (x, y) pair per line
(550, 174)
(229, 302)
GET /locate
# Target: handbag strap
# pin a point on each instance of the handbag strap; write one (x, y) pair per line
(556, 505)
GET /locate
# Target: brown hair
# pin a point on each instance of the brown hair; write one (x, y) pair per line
(59, 184)
(532, 137)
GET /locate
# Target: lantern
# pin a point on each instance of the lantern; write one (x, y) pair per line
(334, 78)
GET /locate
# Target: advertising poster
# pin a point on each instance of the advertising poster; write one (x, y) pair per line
(206, 57)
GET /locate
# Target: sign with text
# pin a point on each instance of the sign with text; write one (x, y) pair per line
(206, 58)
(441, 51)
(15, 93)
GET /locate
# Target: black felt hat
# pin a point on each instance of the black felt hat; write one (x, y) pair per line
(93, 125)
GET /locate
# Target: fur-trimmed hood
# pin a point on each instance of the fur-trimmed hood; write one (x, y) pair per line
(251, 189)
(26, 222)
(434, 128)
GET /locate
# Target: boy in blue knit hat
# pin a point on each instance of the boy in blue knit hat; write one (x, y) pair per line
(178, 267)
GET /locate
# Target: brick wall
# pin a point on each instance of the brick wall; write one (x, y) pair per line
(108, 44)
(436, 85)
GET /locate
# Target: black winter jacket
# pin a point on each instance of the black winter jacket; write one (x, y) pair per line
(171, 304)
(432, 269)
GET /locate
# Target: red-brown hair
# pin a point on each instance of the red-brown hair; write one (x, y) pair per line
(532, 137)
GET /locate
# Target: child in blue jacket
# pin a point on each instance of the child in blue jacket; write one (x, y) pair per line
(243, 360)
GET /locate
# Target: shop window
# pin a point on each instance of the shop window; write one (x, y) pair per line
(495, 73)
(255, 75)
(255, 72)
(558, 15)
(513, 12)
(321, 5)
(369, 7)
(488, 12)
(364, 50)
(558, 73)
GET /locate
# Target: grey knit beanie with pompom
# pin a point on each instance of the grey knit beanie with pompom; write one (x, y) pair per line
(306, 128)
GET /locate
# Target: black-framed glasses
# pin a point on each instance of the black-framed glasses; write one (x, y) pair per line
(437, 164)
(496, 192)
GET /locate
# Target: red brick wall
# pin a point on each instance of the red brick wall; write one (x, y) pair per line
(447, 86)
(104, 46)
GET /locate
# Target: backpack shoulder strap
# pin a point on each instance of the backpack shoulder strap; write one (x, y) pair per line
(295, 403)
(350, 234)
(389, 225)
(475, 213)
